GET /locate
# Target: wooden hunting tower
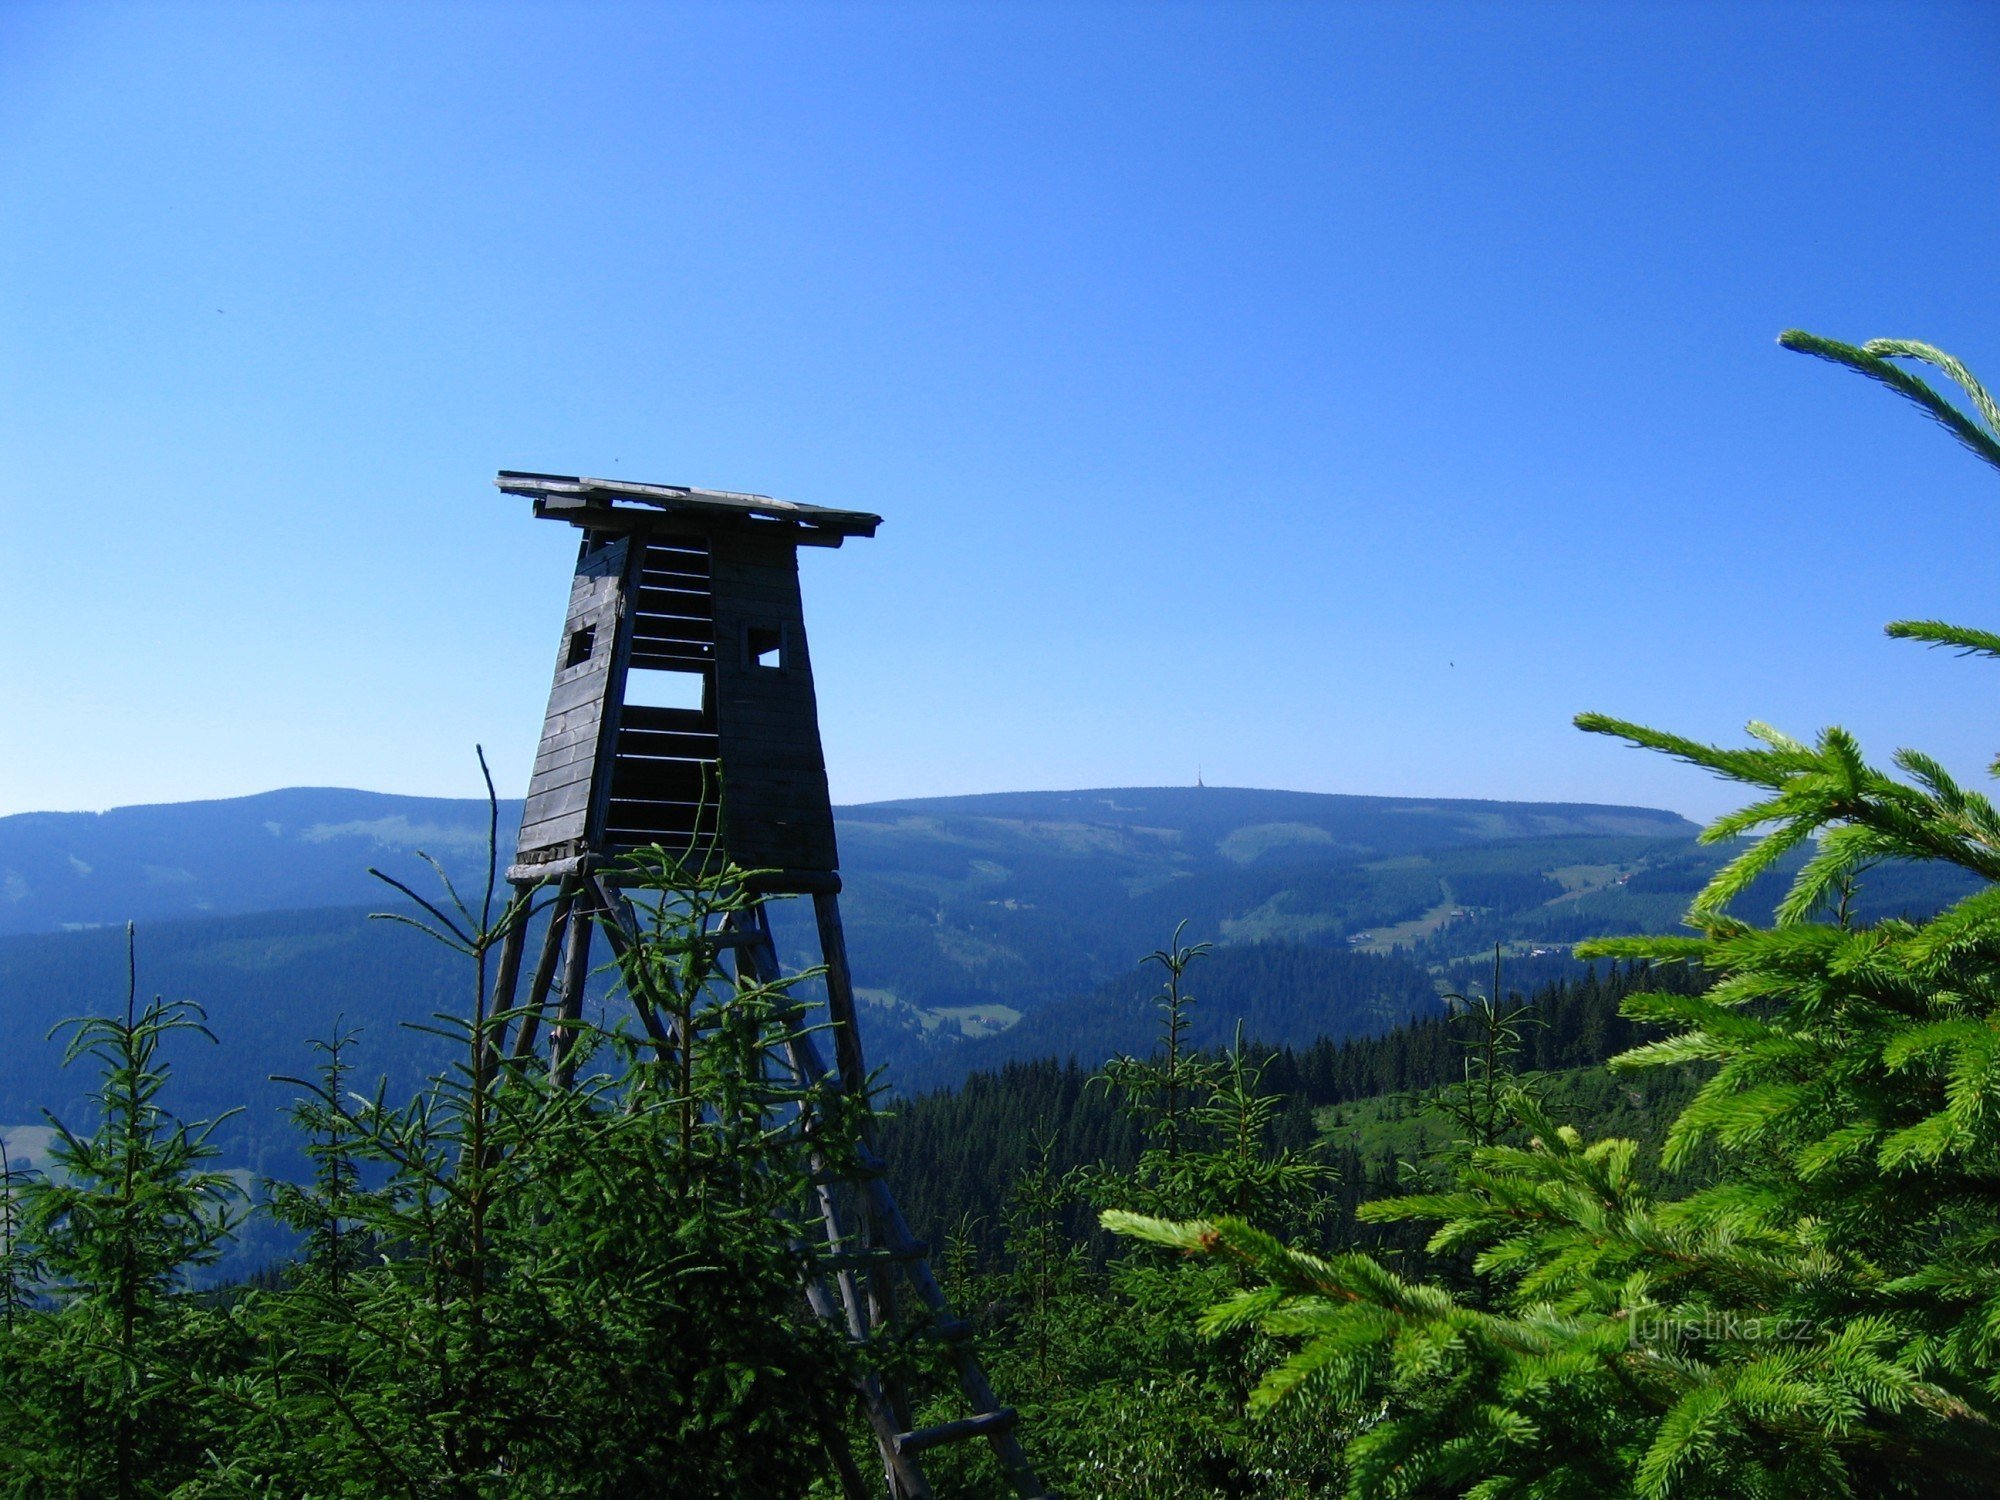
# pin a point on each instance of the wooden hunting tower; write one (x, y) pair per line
(682, 715)
(684, 649)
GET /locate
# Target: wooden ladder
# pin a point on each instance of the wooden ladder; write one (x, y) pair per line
(851, 1280)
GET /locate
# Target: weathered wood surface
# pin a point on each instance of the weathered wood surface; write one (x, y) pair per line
(677, 720)
(840, 995)
(560, 493)
(636, 741)
(545, 968)
(776, 811)
(611, 776)
(981, 1424)
(573, 725)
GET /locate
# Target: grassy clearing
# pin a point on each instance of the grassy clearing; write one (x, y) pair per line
(1403, 934)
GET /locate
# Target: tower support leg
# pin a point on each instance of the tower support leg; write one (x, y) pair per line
(545, 969)
(569, 992)
(882, 1244)
(506, 980)
(840, 993)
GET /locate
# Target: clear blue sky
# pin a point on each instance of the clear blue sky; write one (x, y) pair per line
(1333, 397)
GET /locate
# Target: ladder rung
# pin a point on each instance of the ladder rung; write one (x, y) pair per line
(734, 939)
(842, 1178)
(854, 1260)
(956, 1432)
(944, 1331)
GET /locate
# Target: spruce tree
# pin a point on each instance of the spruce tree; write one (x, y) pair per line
(111, 1383)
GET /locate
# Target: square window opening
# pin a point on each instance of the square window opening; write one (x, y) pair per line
(647, 687)
(765, 646)
(581, 642)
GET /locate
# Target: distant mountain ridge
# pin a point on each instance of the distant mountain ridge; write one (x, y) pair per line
(305, 847)
(1218, 810)
(964, 914)
(275, 851)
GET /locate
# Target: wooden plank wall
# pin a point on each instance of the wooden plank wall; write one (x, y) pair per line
(763, 718)
(559, 790)
(776, 811)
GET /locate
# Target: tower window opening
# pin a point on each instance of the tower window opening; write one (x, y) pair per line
(765, 645)
(581, 643)
(646, 687)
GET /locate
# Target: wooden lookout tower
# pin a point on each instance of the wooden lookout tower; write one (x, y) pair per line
(683, 668)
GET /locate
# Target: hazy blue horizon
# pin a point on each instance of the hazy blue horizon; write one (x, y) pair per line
(996, 792)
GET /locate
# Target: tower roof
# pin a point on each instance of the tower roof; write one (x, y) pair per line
(616, 503)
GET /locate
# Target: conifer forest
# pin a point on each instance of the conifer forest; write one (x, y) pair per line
(1706, 1215)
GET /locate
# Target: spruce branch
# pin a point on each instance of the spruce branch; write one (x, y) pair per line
(1931, 355)
(1959, 638)
(1984, 441)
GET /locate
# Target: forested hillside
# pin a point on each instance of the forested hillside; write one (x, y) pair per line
(276, 851)
(1286, 992)
(966, 917)
(958, 1152)
(269, 982)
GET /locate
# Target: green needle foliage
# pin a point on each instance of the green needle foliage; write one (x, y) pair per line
(1482, 1102)
(1978, 430)
(578, 1287)
(1822, 1318)
(1158, 1091)
(20, 1269)
(109, 1370)
(1207, 1123)
(509, 1284)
